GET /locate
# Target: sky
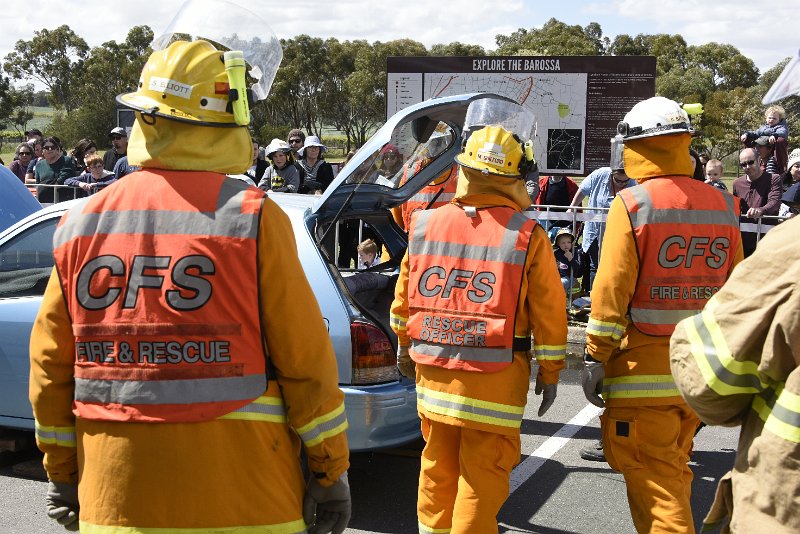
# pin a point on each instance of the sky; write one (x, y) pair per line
(764, 36)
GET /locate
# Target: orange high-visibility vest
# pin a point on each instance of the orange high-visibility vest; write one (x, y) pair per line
(465, 277)
(686, 235)
(162, 332)
(432, 195)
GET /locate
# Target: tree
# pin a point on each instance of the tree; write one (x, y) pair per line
(554, 39)
(457, 49)
(54, 58)
(15, 105)
(728, 66)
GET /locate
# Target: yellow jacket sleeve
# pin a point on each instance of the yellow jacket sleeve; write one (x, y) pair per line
(544, 309)
(52, 388)
(300, 348)
(745, 340)
(398, 313)
(613, 286)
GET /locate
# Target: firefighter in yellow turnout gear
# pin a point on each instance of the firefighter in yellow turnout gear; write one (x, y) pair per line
(216, 365)
(671, 242)
(474, 268)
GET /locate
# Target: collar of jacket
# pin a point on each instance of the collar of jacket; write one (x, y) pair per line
(477, 189)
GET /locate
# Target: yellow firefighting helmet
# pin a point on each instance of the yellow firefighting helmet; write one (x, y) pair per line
(492, 150)
(185, 82)
(499, 137)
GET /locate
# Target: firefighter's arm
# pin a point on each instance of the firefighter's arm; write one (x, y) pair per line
(397, 215)
(300, 348)
(398, 313)
(52, 386)
(546, 302)
(613, 286)
(743, 343)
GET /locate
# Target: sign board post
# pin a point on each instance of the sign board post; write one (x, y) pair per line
(577, 100)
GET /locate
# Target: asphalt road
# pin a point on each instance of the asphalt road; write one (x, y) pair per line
(554, 491)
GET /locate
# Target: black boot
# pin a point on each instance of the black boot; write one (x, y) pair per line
(594, 452)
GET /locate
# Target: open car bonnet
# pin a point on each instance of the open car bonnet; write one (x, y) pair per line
(16, 202)
(425, 137)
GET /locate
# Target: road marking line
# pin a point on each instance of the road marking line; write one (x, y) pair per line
(546, 450)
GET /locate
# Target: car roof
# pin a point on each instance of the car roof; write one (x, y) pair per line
(16, 201)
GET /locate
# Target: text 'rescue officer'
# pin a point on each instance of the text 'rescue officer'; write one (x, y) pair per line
(176, 394)
(670, 244)
(478, 277)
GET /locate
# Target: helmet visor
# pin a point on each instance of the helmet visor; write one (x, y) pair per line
(233, 27)
(508, 115)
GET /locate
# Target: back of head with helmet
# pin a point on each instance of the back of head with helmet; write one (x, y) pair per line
(498, 138)
(211, 63)
(656, 134)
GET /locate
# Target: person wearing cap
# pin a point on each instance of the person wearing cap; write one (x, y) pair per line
(792, 174)
(670, 243)
(179, 360)
(318, 172)
(791, 180)
(281, 176)
(567, 259)
(766, 153)
(759, 194)
(474, 268)
(119, 147)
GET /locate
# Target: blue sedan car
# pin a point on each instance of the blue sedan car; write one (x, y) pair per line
(380, 404)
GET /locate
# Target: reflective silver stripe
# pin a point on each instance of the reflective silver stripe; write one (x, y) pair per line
(640, 389)
(668, 317)
(506, 252)
(63, 436)
(425, 198)
(155, 392)
(227, 221)
(320, 431)
(449, 405)
(647, 214)
(460, 352)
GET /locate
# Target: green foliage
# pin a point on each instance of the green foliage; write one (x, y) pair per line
(54, 58)
(554, 39)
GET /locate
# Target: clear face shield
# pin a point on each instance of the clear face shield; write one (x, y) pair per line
(617, 149)
(244, 33)
(508, 115)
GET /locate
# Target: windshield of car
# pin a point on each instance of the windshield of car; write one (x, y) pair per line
(399, 160)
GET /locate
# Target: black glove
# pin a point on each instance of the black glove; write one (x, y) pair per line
(592, 380)
(327, 510)
(548, 393)
(62, 504)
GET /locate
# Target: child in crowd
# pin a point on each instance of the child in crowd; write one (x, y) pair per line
(714, 174)
(367, 254)
(567, 260)
(281, 176)
(777, 131)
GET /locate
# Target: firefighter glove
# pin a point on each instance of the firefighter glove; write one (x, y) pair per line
(327, 510)
(62, 504)
(405, 363)
(548, 393)
(592, 380)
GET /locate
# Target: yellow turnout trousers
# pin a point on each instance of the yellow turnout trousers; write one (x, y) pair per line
(650, 446)
(464, 478)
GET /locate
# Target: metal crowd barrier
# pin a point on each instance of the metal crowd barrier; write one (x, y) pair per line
(61, 193)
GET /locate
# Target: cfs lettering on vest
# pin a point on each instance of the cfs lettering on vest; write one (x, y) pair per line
(95, 289)
(437, 281)
(675, 252)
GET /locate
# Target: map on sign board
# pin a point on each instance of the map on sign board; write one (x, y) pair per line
(557, 100)
(577, 101)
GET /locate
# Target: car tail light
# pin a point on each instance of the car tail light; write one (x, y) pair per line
(374, 360)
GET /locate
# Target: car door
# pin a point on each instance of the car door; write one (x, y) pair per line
(26, 261)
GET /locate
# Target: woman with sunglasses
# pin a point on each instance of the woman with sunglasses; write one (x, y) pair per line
(22, 157)
(51, 170)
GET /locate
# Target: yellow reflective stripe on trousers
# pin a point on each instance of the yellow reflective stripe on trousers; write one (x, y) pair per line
(721, 372)
(63, 436)
(550, 352)
(779, 408)
(639, 386)
(423, 529)
(397, 322)
(469, 409)
(324, 426)
(605, 329)
(292, 527)
(267, 409)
